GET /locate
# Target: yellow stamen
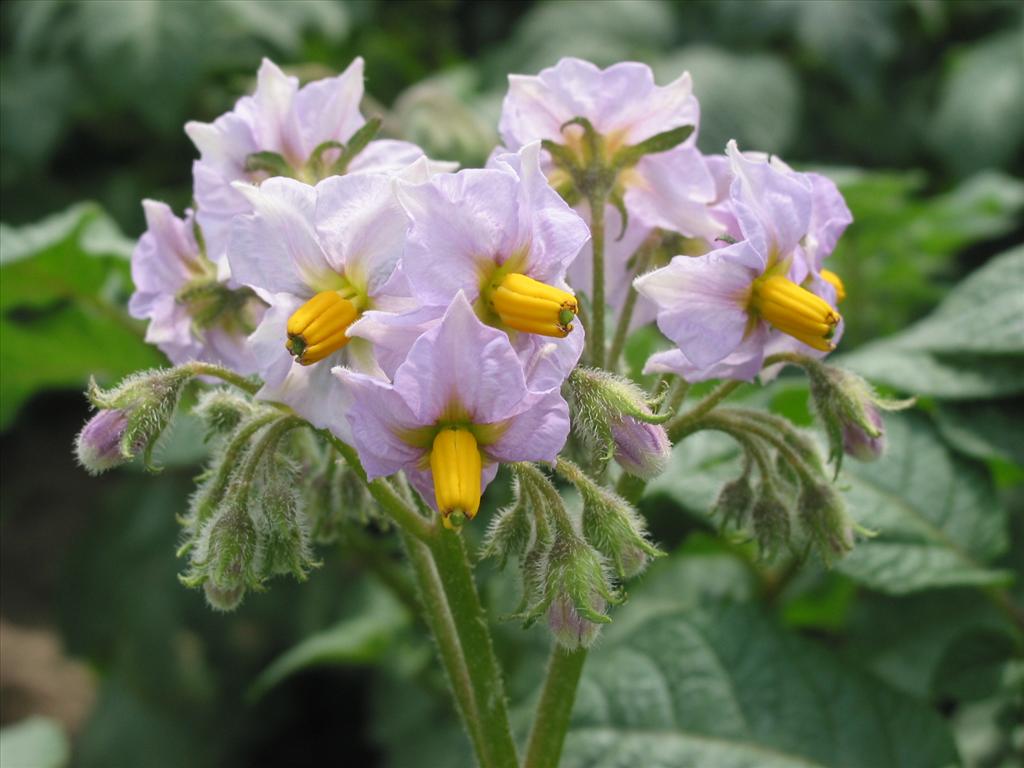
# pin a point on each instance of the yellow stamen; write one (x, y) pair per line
(795, 311)
(530, 306)
(831, 277)
(456, 464)
(317, 328)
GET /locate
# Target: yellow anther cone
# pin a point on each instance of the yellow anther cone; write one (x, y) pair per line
(317, 328)
(795, 311)
(831, 277)
(456, 464)
(531, 306)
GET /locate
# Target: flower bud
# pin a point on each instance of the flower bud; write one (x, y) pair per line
(823, 517)
(862, 445)
(223, 599)
(771, 520)
(224, 557)
(147, 401)
(640, 449)
(281, 526)
(98, 445)
(848, 408)
(570, 630)
(222, 410)
(734, 502)
(512, 531)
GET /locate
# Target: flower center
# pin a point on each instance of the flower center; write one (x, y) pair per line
(530, 306)
(455, 463)
(795, 311)
(317, 328)
(831, 277)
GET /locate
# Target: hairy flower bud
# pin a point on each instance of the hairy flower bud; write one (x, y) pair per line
(226, 554)
(614, 415)
(147, 401)
(734, 502)
(849, 411)
(640, 449)
(771, 520)
(570, 630)
(221, 410)
(512, 531)
(281, 526)
(862, 445)
(98, 446)
(223, 599)
(823, 518)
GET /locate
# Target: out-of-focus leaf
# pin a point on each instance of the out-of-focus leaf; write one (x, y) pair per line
(36, 742)
(62, 281)
(975, 665)
(903, 639)
(938, 519)
(990, 732)
(985, 429)
(725, 686)
(46, 92)
(980, 118)
(971, 346)
(282, 22)
(362, 639)
(753, 98)
(605, 33)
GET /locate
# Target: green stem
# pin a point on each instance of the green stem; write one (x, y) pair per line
(680, 425)
(642, 257)
(209, 369)
(551, 722)
(596, 329)
(470, 622)
(442, 626)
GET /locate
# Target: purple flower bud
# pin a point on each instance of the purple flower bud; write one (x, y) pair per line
(640, 449)
(861, 445)
(98, 445)
(572, 631)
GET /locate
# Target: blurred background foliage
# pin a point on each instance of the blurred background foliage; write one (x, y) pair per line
(916, 108)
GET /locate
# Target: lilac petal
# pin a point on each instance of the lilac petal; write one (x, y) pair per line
(328, 109)
(778, 202)
(268, 340)
(390, 156)
(275, 123)
(547, 362)
(553, 231)
(830, 217)
(673, 190)
(275, 248)
(361, 225)
(743, 364)
(462, 363)
(537, 433)
(167, 255)
(219, 203)
(702, 300)
(460, 226)
(377, 417)
(315, 395)
(393, 334)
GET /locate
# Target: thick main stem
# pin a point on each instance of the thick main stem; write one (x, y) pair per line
(596, 329)
(470, 622)
(551, 722)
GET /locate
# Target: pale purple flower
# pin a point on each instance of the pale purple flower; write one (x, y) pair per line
(282, 118)
(342, 238)
(724, 309)
(469, 231)
(669, 189)
(192, 313)
(98, 445)
(460, 373)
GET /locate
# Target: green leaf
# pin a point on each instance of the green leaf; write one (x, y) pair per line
(938, 519)
(980, 119)
(362, 639)
(36, 742)
(984, 429)
(725, 686)
(971, 346)
(63, 281)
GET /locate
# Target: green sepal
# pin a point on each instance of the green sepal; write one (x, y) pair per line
(268, 162)
(660, 142)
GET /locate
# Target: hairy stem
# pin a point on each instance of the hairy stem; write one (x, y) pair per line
(551, 722)
(470, 622)
(596, 329)
(680, 425)
(219, 372)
